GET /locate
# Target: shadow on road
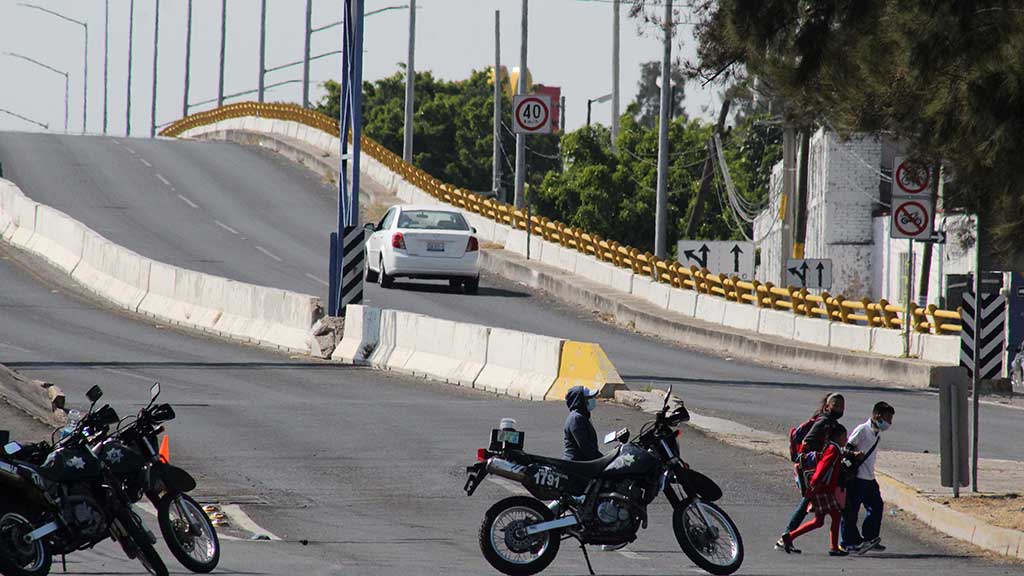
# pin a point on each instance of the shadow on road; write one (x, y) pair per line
(445, 289)
(28, 365)
(641, 379)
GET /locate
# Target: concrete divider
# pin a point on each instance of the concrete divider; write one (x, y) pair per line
(116, 273)
(593, 269)
(680, 301)
(849, 337)
(622, 279)
(710, 309)
(659, 294)
(938, 348)
(58, 238)
(453, 352)
(402, 340)
(776, 323)
(23, 220)
(741, 316)
(520, 364)
(361, 335)
(811, 330)
(585, 364)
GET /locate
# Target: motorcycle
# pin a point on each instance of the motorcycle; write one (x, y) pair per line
(62, 498)
(132, 454)
(601, 501)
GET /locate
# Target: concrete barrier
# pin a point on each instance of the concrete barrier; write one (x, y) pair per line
(776, 323)
(594, 270)
(362, 333)
(23, 220)
(520, 364)
(681, 301)
(453, 352)
(585, 364)
(58, 238)
(116, 273)
(403, 340)
(941, 349)
(622, 279)
(658, 294)
(741, 316)
(642, 286)
(849, 337)
(811, 330)
(710, 309)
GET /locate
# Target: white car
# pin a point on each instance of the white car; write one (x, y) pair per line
(423, 242)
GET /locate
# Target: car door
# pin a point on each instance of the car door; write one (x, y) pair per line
(376, 242)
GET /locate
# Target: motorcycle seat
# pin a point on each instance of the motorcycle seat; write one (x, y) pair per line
(580, 468)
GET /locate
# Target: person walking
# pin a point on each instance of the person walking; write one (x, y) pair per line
(810, 439)
(823, 494)
(863, 488)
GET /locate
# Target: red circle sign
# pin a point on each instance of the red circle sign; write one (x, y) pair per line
(532, 114)
(911, 218)
(911, 179)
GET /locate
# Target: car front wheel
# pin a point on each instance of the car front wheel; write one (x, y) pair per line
(472, 285)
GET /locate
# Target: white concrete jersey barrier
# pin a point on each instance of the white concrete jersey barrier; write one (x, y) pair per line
(265, 316)
(773, 323)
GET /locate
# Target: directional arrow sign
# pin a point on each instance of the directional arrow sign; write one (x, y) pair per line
(809, 273)
(701, 260)
(720, 257)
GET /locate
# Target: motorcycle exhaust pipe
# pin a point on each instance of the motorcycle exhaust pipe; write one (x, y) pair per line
(506, 469)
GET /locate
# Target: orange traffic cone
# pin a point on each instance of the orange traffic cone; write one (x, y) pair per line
(165, 451)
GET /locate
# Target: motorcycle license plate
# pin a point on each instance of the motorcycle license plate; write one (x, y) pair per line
(435, 246)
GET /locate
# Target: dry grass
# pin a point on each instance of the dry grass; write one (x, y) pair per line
(1005, 511)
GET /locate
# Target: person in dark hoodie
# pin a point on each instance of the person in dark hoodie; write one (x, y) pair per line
(580, 437)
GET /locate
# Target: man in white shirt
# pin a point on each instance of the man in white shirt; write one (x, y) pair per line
(863, 489)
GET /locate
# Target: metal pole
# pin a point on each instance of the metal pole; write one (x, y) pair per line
(976, 379)
(223, 41)
(615, 73)
(661, 213)
(85, 81)
(410, 80)
(156, 46)
(954, 410)
(66, 103)
(496, 161)
(263, 48)
(188, 59)
(561, 119)
(521, 138)
(305, 54)
(106, 59)
(909, 302)
(131, 36)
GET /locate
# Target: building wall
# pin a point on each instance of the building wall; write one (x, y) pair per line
(768, 233)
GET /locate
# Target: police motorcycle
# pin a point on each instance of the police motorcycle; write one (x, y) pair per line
(601, 501)
(132, 453)
(62, 498)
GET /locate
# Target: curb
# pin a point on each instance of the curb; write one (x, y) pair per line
(41, 400)
(964, 527)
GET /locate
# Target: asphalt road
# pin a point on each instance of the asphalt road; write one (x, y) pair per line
(365, 467)
(248, 214)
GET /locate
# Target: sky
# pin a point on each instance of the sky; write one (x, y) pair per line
(570, 44)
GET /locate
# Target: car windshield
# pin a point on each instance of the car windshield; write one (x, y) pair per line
(431, 220)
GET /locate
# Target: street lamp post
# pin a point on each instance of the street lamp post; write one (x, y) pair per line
(410, 82)
(156, 46)
(85, 72)
(131, 37)
(599, 100)
(26, 119)
(188, 58)
(51, 69)
(263, 47)
(106, 59)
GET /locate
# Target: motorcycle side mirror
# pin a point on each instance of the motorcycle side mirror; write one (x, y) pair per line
(12, 448)
(154, 391)
(668, 394)
(621, 436)
(94, 394)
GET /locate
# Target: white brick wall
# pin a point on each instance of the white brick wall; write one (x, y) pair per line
(768, 232)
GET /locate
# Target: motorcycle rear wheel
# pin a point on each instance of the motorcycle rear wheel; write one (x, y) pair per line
(706, 545)
(512, 553)
(145, 553)
(188, 533)
(16, 557)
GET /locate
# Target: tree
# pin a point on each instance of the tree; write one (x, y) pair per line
(647, 105)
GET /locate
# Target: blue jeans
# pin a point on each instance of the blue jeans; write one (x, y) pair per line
(798, 516)
(866, 493)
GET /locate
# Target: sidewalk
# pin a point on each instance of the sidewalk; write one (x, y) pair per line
(908, 480)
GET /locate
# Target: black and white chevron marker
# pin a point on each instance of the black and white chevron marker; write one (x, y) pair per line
(990, 343)
(352, 266)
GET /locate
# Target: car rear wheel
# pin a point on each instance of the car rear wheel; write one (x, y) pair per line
(368, 274)
(385, 280)
(455, 283)
(472, 285)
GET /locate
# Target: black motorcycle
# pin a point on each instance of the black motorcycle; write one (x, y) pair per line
(601, 501)
(62, 498)
(132, 453)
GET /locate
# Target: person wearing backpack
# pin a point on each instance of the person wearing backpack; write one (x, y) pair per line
(823, 494)
(863, 488)
(806, 442)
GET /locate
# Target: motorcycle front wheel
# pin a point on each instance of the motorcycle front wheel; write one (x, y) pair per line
(708, 536)
(18, 558)
(503, 538)
(145, 552)
(188, 532)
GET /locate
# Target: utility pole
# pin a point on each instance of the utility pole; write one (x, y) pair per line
(661, 212)
(709, 172)
(188, 58)
(788, 187)
(926, 256)
(156, 45)
(410, 80)
(223, 40)
(106, 59)
(615, 73)
(263, 48)
(305, 54)
(800, 234)
(976, 380)
(496, 161)
(521, 138)
(131, 36)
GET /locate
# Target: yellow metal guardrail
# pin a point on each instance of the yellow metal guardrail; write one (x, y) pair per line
(879, 314)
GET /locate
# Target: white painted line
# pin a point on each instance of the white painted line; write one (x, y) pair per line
(269, 253)
(189, 202)
(164, 180)
(130, 151)
(226, 227)
(148, 508)
(315, 279)
(143, 160)
(13, 347)
(631, 555)
(242, 520)
(130, 375)
(506, 484)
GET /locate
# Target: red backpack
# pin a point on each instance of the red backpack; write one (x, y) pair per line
(797, 435)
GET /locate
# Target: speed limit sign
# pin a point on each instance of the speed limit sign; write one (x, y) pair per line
(532, 113)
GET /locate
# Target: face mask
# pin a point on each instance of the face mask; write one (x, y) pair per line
(591, 404)
(882, 425)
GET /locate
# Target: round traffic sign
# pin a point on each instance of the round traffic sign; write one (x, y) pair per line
(911, 178)
(911, 218)
(532, 114)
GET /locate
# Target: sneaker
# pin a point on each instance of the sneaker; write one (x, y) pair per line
(852, 548)
(838, 552)
(878, 547)
(868, 545)
(785, 544)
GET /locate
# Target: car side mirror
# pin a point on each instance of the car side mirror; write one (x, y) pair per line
(473, 228)
(94, 394)
(370, 226)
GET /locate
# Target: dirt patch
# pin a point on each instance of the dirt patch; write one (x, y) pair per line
(1005, 511)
